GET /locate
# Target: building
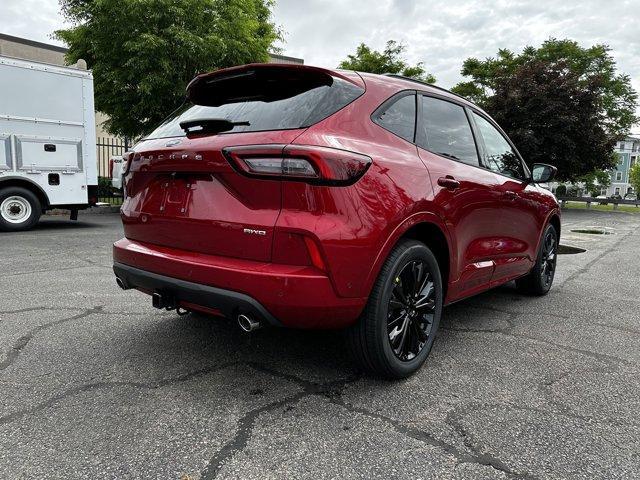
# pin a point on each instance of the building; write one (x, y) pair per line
(107, 145)
(628, 152)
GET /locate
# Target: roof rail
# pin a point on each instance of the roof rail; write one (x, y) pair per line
(409, 79)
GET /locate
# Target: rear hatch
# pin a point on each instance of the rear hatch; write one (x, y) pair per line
(181, 189)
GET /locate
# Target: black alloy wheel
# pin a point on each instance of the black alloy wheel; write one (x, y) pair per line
(549, 258)
(411, 310)
(539, 280)
(397, 328)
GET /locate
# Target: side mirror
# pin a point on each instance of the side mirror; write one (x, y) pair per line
(543, 173)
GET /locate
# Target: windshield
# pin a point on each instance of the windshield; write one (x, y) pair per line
(298, 111)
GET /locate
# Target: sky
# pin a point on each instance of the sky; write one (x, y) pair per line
(439, 33)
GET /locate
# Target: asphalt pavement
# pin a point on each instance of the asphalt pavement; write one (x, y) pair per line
(95, 383)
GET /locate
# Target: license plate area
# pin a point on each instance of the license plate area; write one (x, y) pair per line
(177, 193)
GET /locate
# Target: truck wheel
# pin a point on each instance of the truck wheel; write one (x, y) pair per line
(395, 333)
(20, 209)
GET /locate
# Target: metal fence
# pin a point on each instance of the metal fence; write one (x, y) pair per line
(108, 147)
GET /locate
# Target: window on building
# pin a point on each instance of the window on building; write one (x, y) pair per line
(618, 176)
(621, 146)
(633, 161)
(617, 190)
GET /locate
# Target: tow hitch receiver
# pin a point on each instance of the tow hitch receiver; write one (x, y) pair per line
(163, 300)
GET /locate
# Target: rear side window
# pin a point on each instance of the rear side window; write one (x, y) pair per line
(260, 106)
(446, 130)
(399, 117)
(499, 156)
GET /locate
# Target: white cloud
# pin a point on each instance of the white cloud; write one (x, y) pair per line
(440, 33)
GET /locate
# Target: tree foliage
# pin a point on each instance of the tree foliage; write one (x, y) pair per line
(390, 60)
(634, 178)
(144, 52)
(561, 103)
(595, 181)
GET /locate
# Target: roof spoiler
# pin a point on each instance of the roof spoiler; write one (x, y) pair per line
(267, 82)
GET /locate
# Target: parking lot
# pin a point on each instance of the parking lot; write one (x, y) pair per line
(95, 383)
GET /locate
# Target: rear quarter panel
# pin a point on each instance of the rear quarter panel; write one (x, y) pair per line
(359, 224)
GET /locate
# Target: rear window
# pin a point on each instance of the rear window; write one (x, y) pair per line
(400, 117)
(303, 107)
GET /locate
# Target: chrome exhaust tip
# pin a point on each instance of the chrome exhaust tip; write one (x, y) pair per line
(247, 323)
(121, 283)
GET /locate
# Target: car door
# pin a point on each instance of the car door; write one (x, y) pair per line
(464, 193)
(521, 211)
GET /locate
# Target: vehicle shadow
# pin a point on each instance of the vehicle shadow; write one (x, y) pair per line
(314, 355)
(64, 224)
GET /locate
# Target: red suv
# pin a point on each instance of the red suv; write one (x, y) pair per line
(302, 197)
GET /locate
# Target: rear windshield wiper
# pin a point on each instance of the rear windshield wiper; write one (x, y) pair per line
(210, 125)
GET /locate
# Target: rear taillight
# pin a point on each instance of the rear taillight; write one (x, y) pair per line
(317, 165)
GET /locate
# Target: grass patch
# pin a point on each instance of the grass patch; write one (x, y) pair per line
(602, 208)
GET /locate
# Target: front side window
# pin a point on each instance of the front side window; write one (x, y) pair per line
(618, 176)
(400, 117)
(446, 131)
(499, 156)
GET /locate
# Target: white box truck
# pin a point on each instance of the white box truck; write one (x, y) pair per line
(47, 141)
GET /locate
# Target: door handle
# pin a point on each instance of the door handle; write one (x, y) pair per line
(449, 182)
(509, 195)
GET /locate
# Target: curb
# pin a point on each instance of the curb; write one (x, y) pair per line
(99, 210)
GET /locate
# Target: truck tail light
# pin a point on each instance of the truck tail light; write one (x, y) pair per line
(126, 161)
(316, 165)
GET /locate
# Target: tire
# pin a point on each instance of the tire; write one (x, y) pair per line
(370, 339)
(539, 280)
(20, 209)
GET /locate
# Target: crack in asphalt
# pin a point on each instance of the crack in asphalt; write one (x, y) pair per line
(30, 272)
(102, 311)
(12, 417)
(508, 331)
(246, 424)
(39, 309)
(475, 457)
(546, 390)
(453, 419)
(599, 257)
(333, 391)
(23, 341)
(513, 313)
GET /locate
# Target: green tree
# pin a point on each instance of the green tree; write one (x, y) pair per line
(634, 178)
(144, 52)
(561, 103)
(618, 99)
(595, 181)
(390, 60)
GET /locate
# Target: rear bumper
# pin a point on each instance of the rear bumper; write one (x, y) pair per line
(227, 302)
(284, 295)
